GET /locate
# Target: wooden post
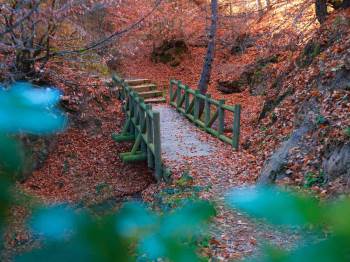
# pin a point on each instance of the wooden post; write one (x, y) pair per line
(171, 91)
(196, 105)
(157, 145)
(135, 112)
(142, 125)
(236, 127)
(149, 134)
(178, 96)
(207, 110)
(131, 110)
(187, 98)
(221, 117)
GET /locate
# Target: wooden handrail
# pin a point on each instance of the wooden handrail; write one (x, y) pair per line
(180, 97)
(141, 126)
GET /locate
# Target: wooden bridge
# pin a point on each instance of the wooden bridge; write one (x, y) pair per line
(146, 126)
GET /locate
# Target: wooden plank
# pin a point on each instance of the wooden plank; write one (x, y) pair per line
(144, 88)
(155, 100)
(236, 126)
(178, 97)
(157, 146)
(214, 117)
(132, 82)
(207, 110)
(190, 107)
(221, 115)
(187, 98)
(150, 94)
(122, 138)
(196, 105)
(128, 157)
(149, 138)
(136, 144)
(171, 92)
(228, 108)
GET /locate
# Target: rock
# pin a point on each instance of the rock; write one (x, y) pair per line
(256, 74)
(337, 162)
(229, 87)
(242, 42)
(311, 50)
(170, 52)
(275, 166)
(37, 149)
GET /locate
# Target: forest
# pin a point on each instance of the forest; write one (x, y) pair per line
(175, 130)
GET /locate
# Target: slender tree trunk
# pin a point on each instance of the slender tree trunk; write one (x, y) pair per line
(321, 10)
(260, 7)
(208, 62)
(268, 4)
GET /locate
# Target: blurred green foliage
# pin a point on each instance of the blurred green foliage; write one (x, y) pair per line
(312, 179)
(23, 109)
(347, 131)
(290, 209)
(134, 233)
(137, 234)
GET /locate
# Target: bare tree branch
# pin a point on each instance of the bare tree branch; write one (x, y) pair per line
(103, 41)
(20, 21)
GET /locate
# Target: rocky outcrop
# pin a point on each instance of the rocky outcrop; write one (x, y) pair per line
(169, 52)
(337, 162)
(275, 166)
(230, 87)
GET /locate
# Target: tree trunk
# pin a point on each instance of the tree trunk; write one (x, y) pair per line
(321, 10)
(208, 62)
(260, 7)
(24, 66)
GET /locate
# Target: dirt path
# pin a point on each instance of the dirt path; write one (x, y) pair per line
(215, 164)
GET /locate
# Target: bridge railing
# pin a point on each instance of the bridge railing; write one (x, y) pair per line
(206, 112)
(142, 126)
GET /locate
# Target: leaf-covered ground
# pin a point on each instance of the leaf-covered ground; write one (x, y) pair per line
(84, 169)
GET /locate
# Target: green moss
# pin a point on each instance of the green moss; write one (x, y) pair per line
(310, 52)
(311, 179)
(347, 131)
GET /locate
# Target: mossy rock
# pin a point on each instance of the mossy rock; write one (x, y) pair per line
(241, 43)
(311, 50)
(37, 149)
(169, 52)
(230, 87)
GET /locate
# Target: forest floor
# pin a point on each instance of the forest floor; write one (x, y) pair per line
(85, 171)
(215, 166)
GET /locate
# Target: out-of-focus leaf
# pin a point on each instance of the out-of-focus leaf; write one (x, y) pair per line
(188, 219)
(55, 223)
(329, 250)
(5, 200)
(35, 97)
(58, 252)
(180, 252)
(134, 219)
(11, 155)
(30, 110)
(153, 246)
(101, 238)
(278, 207)
(175, 230)
(76, 237)
(338, 214)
